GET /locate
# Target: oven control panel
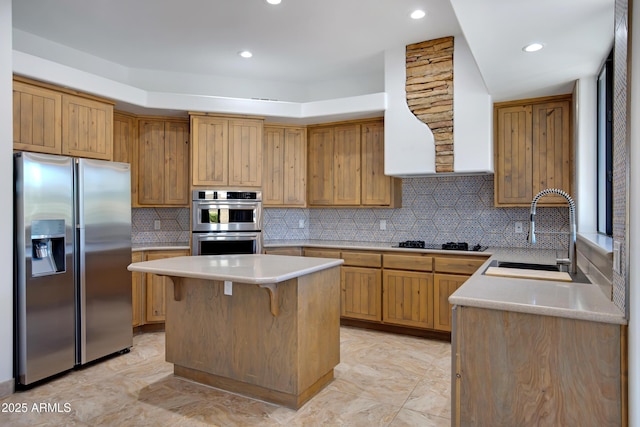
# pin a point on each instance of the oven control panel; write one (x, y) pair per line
(226, 195)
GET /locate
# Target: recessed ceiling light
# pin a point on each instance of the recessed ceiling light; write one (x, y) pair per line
(418, 14)
(533, 47)
(274, 1)
(245, 54)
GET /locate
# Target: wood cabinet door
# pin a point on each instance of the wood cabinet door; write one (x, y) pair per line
(443, 286)
(87, 128)
(156, 288)
(361, 293)
(552, 150)
(176, 161)
(320, 164)
(245, 153)
(151, 155)
(346, 166)
(124, 132)
(407, 298)
(274, 169)
(295, 167)
(210, 151)
(513, 155)
(137, 286)
(376, 186)
(37, 119)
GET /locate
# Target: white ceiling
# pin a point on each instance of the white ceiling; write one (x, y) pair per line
(308, 41)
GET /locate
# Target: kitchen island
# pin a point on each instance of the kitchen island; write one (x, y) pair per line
(265, 326)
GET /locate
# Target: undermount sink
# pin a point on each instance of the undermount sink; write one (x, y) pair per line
(527, 266)
(528, 270)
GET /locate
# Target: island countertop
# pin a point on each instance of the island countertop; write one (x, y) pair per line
(255, 269)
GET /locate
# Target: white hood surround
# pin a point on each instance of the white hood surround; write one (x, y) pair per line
(409, 143)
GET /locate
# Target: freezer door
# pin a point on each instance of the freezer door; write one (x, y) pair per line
(44, 266)
(104, 242)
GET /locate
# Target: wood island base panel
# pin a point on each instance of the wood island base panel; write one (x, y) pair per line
(236, 342)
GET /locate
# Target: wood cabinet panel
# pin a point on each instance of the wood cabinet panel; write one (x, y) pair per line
(533, 150)
(417, 262)
(569, 370)
(362, 259)
(245, 153)
(322, 253)
(321, 160)
(176, 162)
(443, 286)
(137, 292)
(288, 250)
(407, 298)
(210, 151)
(361, 293)
(285, 166)
(155, 309)
(376, 186)
(466, 265)
(347, 165)
(151, 155)
(125, 133)
(37, 119)
(87, 128)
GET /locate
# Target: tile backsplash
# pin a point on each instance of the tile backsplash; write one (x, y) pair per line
(173, 226)
(435, 209)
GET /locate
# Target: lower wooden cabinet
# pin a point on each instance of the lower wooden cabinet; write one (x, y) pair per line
(407, 298)
(148, 290)
(360, 293)
(286, 250)
(137, 292)
(443, 286)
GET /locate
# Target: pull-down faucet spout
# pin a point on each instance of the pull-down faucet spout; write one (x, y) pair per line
(571, 261)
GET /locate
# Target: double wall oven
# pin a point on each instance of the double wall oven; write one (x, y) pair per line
(226, 222)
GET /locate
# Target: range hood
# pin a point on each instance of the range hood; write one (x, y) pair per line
(409, 143)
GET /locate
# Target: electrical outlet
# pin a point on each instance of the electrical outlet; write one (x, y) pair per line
(228, 287)
(301, 223)
(616, 257)
(518, 227)
(156, 224)
(383, 224)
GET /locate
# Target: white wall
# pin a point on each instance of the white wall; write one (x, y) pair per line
(633, 204)
(585, 133)
(6, 195)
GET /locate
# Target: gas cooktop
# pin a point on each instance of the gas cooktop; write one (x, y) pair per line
(449, 246)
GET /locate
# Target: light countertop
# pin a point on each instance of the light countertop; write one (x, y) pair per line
(255, 269)
(543, 297)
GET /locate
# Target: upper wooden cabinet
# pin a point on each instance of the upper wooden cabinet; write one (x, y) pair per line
(163, 162)
(124, 147)
(37, 119)
(533, 150)
(346, 166)
(226, 151)
(285, 166)
(51, 120)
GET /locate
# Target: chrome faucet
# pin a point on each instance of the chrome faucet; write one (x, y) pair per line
(571, 261)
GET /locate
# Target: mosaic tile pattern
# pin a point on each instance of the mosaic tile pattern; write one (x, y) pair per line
(174, 225)
(620, 132)
(435, 209)
(382, 380)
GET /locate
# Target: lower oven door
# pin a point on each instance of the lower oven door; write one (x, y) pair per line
(224, 243)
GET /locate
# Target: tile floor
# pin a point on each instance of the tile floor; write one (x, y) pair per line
(382, 380)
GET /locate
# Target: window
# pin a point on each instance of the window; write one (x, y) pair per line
(605, 147)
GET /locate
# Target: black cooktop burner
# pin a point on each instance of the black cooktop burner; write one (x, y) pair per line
(449, 246)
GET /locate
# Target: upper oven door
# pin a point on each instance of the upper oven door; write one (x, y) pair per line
(226, 215)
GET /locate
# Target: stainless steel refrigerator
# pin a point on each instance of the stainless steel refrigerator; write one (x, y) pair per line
(72, 224)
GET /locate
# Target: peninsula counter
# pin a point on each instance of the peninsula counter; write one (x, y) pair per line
(266, 326)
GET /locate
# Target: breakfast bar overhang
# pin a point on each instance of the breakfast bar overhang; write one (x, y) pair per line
(265, 326)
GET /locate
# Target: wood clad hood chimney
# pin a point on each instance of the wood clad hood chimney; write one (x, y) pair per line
(439, 112)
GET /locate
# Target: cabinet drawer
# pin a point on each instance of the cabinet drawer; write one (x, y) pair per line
(322, 253)
(362, 259)
(458, 265)
(289, 250)
(418, 262)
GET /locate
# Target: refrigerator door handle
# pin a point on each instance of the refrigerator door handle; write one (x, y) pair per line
(81, 305)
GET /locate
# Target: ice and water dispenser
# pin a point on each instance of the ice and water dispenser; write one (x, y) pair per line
(48, 247)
